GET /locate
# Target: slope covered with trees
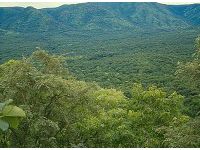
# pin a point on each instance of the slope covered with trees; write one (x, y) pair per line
(113, 44)
(64, 112)
(116, 75)
(100, 16)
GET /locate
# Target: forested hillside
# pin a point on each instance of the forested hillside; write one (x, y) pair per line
(113, 44)
(100, 16)
(100, 75)
(64, 112)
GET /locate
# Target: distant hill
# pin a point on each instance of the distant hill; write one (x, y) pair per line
(100, 16)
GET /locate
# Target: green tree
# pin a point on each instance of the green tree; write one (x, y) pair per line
(64, 112)
(189, 75)
(188, 135)
(52, 99)
(156, 110)
(140, 121)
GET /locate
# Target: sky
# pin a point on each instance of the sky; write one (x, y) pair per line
(34, 4)
(56, 4)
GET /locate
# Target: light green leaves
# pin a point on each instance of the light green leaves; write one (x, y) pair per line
(10, 115)
(13, 111)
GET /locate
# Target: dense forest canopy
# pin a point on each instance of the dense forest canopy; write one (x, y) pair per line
(100, 75)
(64, 112)
(113, 44)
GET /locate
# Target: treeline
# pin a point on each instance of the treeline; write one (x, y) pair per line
(64, 112)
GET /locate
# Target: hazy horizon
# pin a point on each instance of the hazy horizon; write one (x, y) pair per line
(39, 5)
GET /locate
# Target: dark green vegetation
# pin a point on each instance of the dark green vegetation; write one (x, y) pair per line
(87, 95)
(100, 16)
(114, 44)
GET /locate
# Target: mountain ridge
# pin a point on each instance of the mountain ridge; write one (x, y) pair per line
(101, 16)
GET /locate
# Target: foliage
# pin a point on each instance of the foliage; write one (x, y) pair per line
(10, 115)
(188, 73)
(49, 96)
(64, 112)
(10, 118)
(138, 122)
(106, 43)
(187, 135)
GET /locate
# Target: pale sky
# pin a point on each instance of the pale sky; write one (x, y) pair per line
(33, 4)
(56, 4)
